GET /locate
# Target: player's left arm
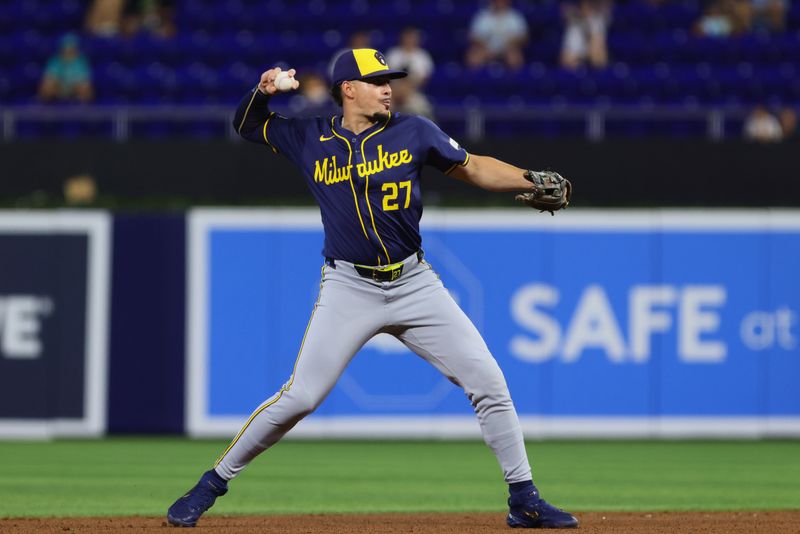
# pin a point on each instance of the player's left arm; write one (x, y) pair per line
(444, 153)
(542, 190)
(491, 174)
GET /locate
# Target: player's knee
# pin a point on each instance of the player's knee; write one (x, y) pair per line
(491, 381)
(493, 404)
(498, 396)
(491, 393)
(304, 403)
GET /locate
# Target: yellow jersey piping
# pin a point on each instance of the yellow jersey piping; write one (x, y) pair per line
(352, 187)
(454, 165)
(275, 150)
(246, 111)
(366, 189)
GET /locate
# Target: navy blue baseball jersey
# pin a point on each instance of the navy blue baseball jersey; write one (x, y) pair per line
(367, 185)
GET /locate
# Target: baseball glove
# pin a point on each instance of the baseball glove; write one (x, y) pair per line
(551, 191)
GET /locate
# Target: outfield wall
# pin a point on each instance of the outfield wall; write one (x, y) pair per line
(54, 294)
(637, 323)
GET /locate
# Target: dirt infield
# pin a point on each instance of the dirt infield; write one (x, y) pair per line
(667, 522)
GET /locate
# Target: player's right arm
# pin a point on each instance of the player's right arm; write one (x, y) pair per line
(253, 115)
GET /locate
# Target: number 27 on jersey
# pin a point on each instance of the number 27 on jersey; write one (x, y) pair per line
(391, 191)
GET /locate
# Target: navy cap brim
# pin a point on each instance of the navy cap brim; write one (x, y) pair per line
(391, 74)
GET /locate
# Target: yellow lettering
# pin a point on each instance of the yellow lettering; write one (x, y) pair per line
(319, 170)
(392, 191)
(329, 177)
(407, 186)
(389, 203)
(328, 172)
(385, 160)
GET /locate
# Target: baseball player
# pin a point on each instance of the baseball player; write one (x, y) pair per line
(363, 168)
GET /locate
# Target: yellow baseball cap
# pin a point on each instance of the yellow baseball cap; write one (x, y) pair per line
(360, 64)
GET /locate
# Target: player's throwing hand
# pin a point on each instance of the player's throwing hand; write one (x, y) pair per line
(277, 81)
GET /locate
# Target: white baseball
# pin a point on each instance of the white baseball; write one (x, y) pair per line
(284, 82)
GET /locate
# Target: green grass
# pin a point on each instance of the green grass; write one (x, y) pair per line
(143, 476)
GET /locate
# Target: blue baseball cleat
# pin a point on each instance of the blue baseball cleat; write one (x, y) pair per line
(528, 510)
(187, 510)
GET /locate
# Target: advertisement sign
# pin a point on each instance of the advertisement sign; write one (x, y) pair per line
(605, 323)
(53, 321)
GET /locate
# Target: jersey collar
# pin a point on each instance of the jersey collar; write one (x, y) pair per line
(336, 125)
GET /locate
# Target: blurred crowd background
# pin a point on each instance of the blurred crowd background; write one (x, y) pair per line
(498, 58)
(661, 96)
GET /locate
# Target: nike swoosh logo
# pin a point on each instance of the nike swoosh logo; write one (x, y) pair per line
(323, 138)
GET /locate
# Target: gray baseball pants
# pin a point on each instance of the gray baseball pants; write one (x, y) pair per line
(417, 309)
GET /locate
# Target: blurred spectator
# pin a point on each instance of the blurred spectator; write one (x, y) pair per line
(761, 126)
(585, 34)
(768, 14)
(407, 99)
(80, 190)
(723, 18)
(497, 33)
(410, 57)
(314, 99)
(67, 75)
(788, 119)
(358, 39)
(151, 16)
(104, 17)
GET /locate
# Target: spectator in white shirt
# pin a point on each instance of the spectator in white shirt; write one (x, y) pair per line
(409, 56)
(497, 33)
(585, 34)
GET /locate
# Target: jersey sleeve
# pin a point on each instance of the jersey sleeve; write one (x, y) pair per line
(440, 150)
(255, 122)
(284, 135)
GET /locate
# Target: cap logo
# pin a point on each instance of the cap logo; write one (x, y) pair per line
(369, 61)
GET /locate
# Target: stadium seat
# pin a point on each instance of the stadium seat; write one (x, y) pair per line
(221, 48)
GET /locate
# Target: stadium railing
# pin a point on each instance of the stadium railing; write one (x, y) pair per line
(473, 122)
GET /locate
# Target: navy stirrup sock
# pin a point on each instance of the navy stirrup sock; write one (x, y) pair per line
(517, 487)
